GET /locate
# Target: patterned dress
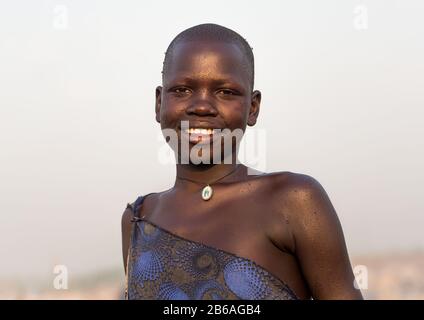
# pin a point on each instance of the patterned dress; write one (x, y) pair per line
(164, 266)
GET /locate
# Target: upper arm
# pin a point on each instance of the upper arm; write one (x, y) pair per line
(126, 233)
(319, 241)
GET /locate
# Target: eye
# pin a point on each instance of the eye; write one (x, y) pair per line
(226, 92)
(181, 90)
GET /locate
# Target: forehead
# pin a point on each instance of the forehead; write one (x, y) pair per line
(205, 59)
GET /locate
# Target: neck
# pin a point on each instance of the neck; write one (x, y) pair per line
(206, 173)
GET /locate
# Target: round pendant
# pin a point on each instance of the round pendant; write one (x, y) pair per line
(207, 193)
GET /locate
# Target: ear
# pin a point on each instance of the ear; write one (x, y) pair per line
(158, 102)
(254, 108)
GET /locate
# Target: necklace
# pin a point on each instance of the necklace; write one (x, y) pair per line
(207, 191)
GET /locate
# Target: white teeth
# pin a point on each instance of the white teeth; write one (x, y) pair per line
(199, 131)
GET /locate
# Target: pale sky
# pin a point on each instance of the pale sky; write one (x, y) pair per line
(341, 103)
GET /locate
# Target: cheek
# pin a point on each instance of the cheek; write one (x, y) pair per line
(170, 114)
(236, 116)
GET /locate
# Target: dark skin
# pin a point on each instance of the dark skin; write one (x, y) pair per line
(283, 221)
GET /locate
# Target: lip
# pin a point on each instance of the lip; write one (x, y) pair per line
(202, 125)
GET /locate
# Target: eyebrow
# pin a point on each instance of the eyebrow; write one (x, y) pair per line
(220, 81)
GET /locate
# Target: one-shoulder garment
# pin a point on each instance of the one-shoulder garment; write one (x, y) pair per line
(164, 266)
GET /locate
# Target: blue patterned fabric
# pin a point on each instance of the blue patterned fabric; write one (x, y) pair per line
(165, 266)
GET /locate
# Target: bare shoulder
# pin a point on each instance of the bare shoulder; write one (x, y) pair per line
(303, 200)
(318, 236)
(298, 190)
(295, 194)
(294, 182)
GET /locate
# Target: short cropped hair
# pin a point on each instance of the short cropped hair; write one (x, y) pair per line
(213, 32)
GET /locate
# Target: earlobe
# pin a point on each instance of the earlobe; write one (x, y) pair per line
(254, 108)
(158, 102)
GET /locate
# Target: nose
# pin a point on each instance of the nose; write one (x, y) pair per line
(202, 105)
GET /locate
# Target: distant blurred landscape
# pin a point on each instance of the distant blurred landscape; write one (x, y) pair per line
(396, 275)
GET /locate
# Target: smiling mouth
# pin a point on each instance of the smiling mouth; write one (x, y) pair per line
(199, 135)
(199, 131)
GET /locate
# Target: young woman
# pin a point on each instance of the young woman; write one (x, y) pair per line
(221, 232)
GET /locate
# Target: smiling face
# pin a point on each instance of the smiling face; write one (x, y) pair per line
(207, 84)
